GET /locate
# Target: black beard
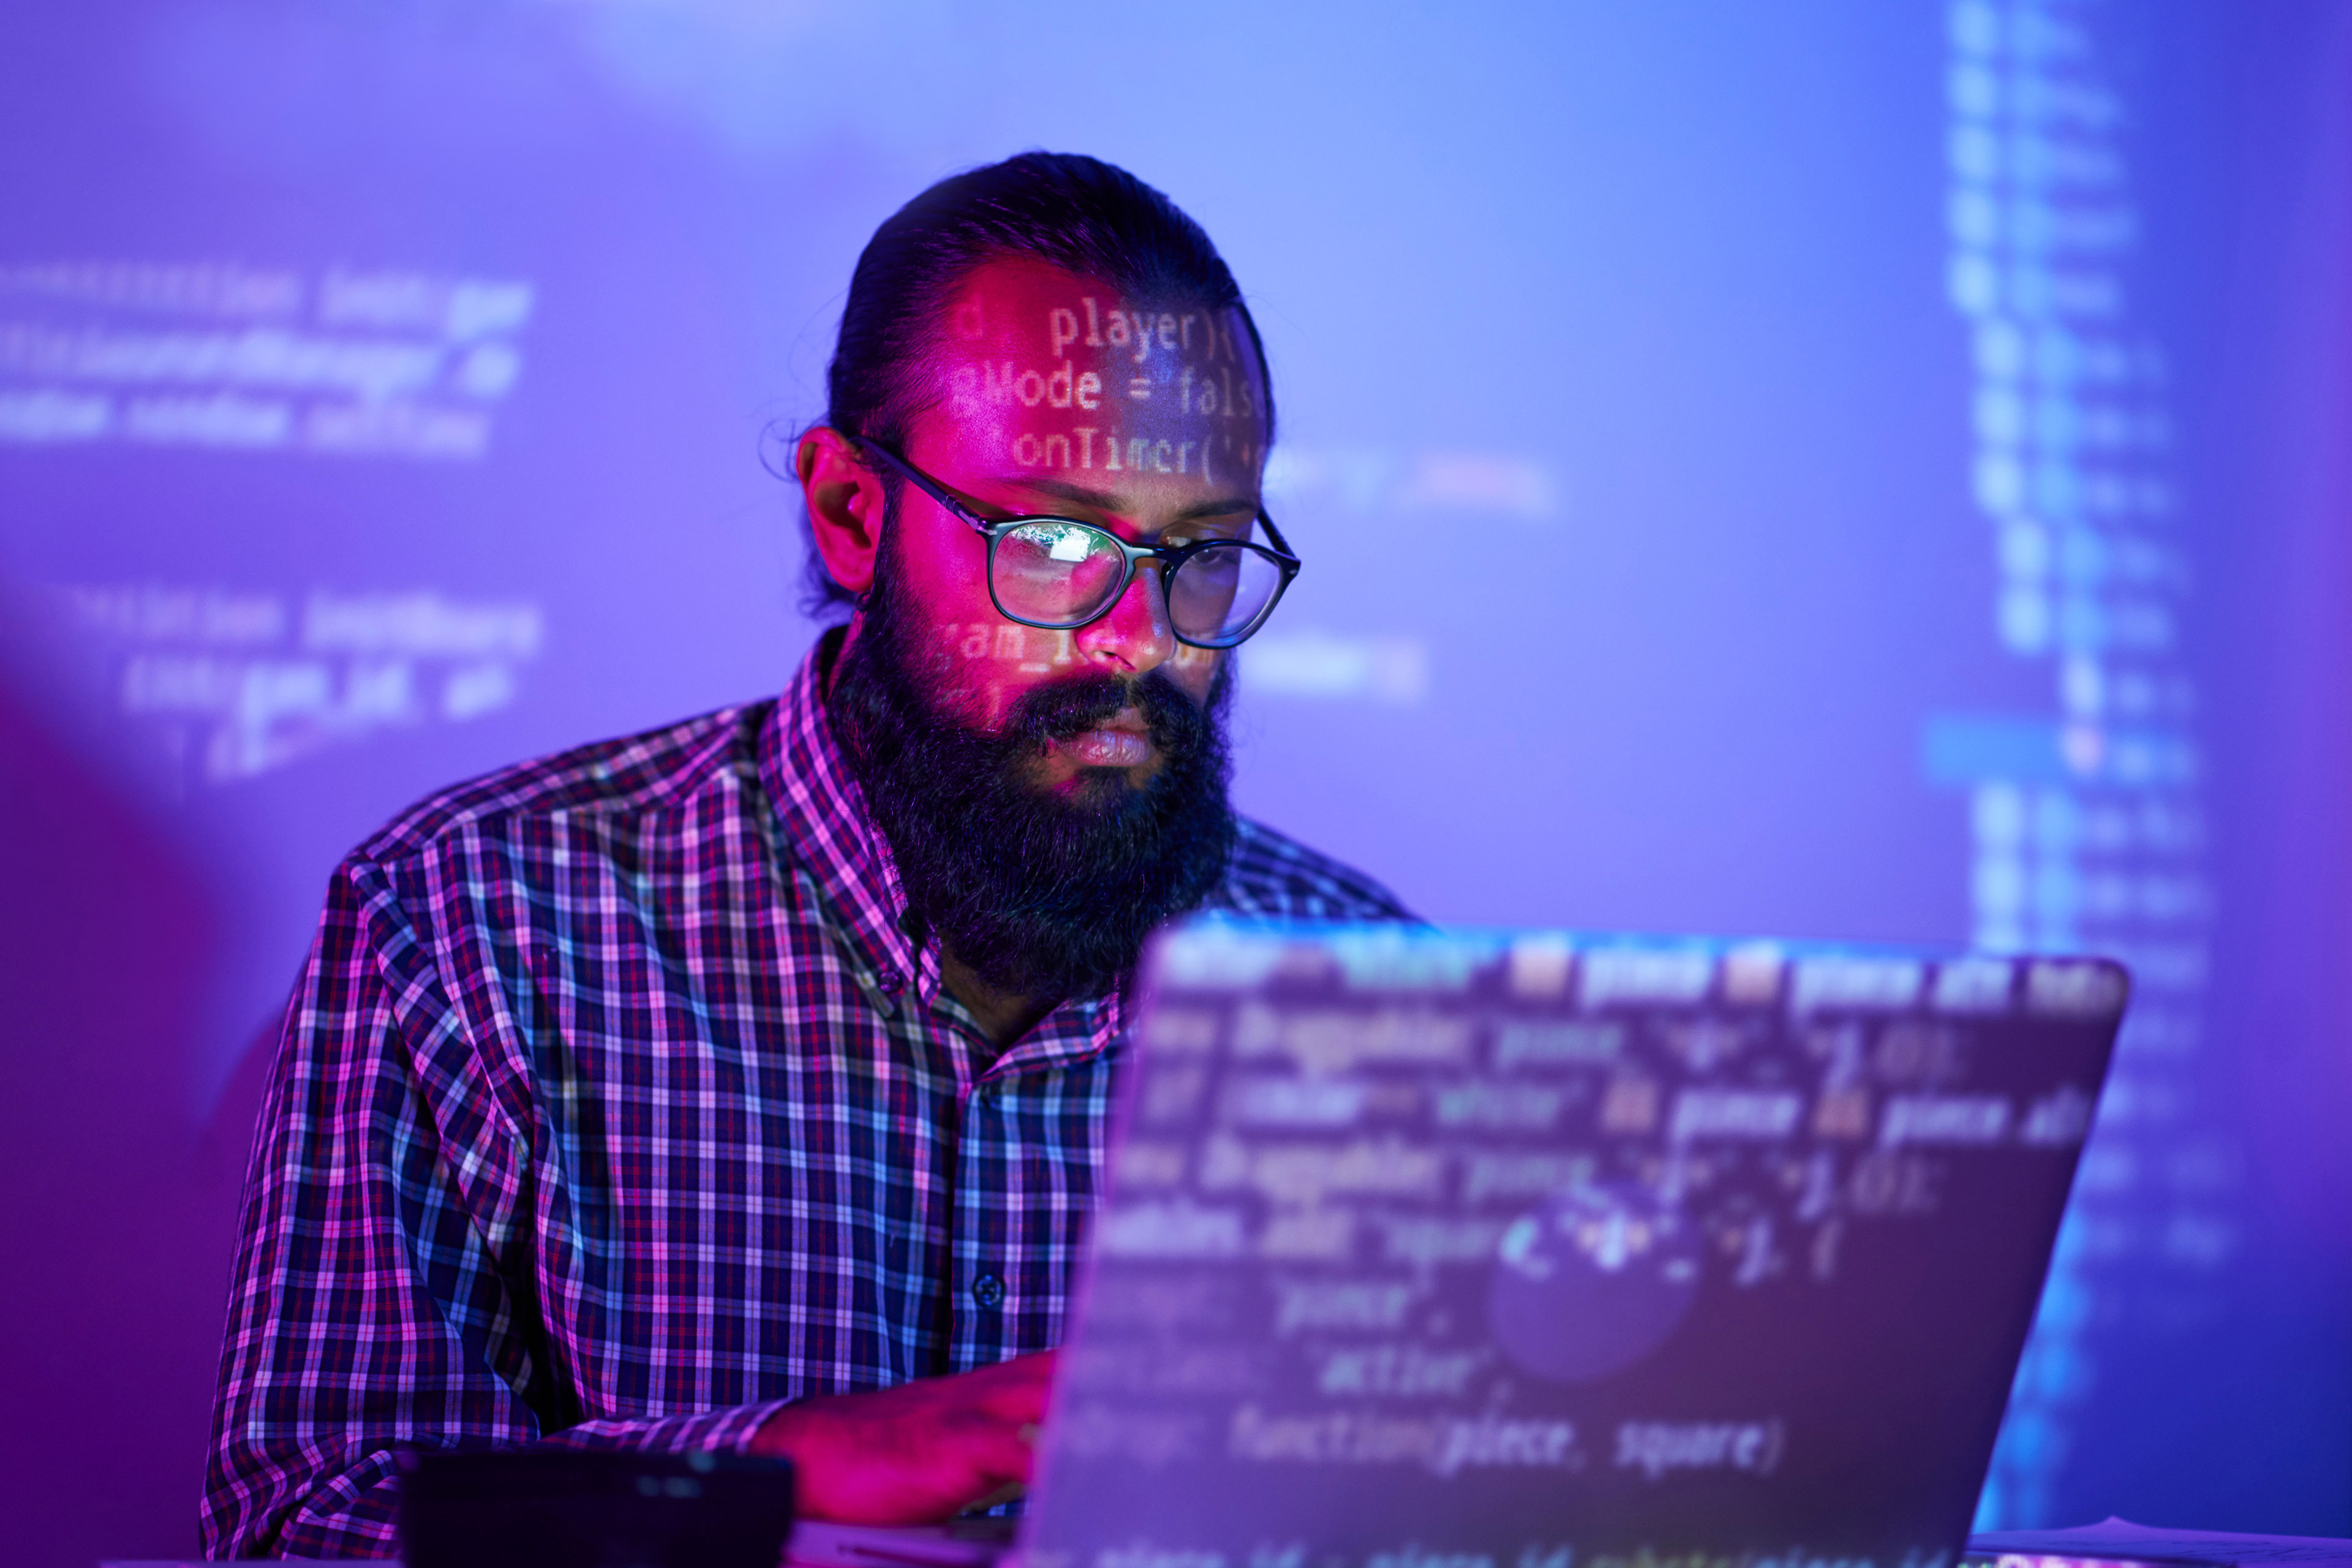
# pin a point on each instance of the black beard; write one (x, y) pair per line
(1041, 896)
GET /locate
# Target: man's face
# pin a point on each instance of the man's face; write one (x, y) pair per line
(1051, 797)
(1053, 394)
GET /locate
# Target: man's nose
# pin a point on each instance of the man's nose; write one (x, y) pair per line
(1135, 637)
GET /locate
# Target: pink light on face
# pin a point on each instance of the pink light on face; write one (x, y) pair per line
(1058, 396)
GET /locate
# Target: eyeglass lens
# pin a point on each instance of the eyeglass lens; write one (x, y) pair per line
(1066, 574)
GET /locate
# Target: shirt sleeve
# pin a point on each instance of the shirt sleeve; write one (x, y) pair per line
(385, 1294)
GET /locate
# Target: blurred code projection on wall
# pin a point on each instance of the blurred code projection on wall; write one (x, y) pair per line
(1828, 468)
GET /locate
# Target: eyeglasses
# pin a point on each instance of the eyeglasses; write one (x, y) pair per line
(1059, 573)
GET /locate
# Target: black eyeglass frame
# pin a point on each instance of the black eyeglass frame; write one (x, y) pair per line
(1171, 557)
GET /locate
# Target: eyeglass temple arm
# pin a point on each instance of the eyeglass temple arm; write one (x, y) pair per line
(924, 483)
(1280, 543)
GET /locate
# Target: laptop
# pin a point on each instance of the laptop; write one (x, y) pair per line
(1533, 1249)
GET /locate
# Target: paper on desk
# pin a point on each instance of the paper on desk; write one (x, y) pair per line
(2121, 1540)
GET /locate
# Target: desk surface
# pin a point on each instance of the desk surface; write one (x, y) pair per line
(2121, 1540)
(2115, 1540)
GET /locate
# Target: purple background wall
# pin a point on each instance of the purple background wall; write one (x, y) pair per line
(1700, 536)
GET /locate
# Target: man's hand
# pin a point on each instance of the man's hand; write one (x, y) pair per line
(917, 1454)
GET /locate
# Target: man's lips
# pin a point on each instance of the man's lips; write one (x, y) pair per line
(1121, 741)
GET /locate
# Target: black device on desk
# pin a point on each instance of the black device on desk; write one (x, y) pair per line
(576, 1508)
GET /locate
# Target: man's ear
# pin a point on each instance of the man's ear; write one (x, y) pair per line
(845, 505)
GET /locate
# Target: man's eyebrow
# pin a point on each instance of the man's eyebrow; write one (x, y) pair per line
(1104, 501)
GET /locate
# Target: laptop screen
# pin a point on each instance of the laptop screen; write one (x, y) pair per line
(1431, 1249)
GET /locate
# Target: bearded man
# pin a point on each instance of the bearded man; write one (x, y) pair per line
(744, 1085)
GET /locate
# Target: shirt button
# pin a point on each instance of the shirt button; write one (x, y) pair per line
(988, 1291)
(890, 982)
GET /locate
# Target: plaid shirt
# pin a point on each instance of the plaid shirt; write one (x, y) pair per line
(613, 1101)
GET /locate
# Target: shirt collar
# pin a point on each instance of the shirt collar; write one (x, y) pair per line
(824, 814)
